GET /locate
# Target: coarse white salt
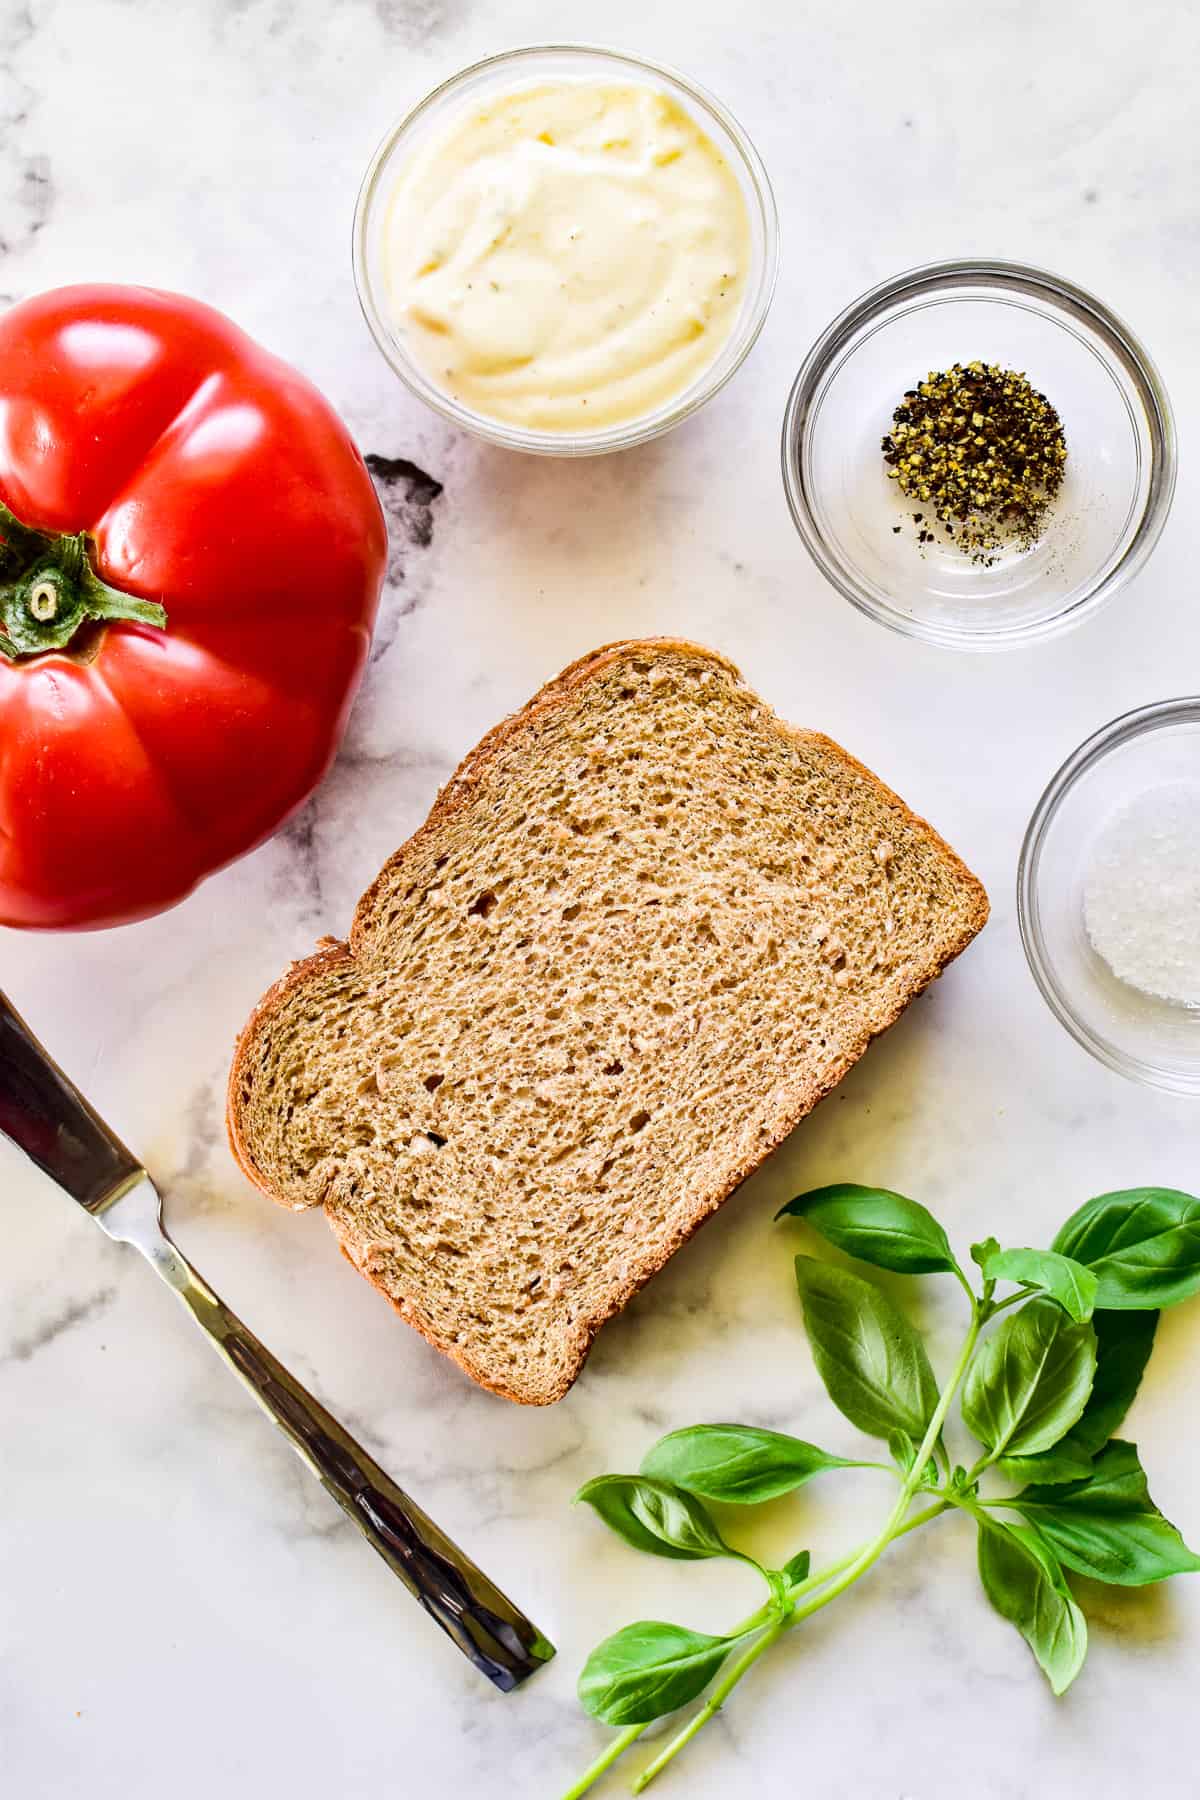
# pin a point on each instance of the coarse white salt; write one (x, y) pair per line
(1141, 893)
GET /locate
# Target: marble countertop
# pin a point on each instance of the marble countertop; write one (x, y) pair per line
(181, 1605)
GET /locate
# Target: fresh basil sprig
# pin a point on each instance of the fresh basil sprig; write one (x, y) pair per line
(1042, 1391)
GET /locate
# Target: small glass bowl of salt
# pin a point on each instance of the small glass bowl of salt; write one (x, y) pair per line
(1108, 894)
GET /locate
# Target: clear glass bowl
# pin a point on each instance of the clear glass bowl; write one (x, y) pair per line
(1120, 448)
(1151, 1040)
(524, 67)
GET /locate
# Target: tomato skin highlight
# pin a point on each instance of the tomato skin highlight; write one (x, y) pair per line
(216, 481)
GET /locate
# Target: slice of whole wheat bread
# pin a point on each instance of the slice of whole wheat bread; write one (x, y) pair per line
(645, 928)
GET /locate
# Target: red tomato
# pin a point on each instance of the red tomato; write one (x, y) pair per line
(155, 461)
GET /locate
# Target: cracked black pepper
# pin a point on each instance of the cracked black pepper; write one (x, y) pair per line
(984, 452)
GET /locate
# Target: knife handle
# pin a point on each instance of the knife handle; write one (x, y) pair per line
(47, 1117)
(493, 1633)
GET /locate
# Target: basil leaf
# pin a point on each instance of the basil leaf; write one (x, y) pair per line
(781, 1581)
(981, 1252)
(1031, 1380)
(1026, 1586)
(902, 1450)
(1142, 1245)
(648, 1669)
(1117, 1481)
(871, 1360)
(738, 1464)
(796, 1568)
(1107, 1526)
(1123, 1345)
(1124, 1341)
(877, 1226)
(655, 1516)
(780, 1587)
(1068, 1282)
(1066, 1462)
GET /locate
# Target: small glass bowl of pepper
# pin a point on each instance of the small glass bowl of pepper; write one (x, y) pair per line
(945, 363)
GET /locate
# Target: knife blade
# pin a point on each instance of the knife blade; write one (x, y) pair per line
(45, 1115)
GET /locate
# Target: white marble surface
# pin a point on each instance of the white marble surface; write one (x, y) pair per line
(181, 1609)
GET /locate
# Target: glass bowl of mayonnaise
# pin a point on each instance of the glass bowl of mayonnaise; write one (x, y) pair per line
(566, 250)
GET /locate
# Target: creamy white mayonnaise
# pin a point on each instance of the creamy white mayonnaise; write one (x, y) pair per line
(567, 257)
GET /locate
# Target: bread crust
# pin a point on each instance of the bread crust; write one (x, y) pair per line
(451, 799)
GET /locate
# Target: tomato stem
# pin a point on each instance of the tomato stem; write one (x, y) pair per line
(48, 588)
(43, 602)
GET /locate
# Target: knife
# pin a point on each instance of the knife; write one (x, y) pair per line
(46, 1116)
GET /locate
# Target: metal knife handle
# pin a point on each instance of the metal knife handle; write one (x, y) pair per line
(482, 1621)
(47, 1117)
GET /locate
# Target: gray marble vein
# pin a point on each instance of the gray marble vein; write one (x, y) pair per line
(53, 1325)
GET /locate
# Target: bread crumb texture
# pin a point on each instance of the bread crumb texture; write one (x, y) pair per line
(645, 928)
